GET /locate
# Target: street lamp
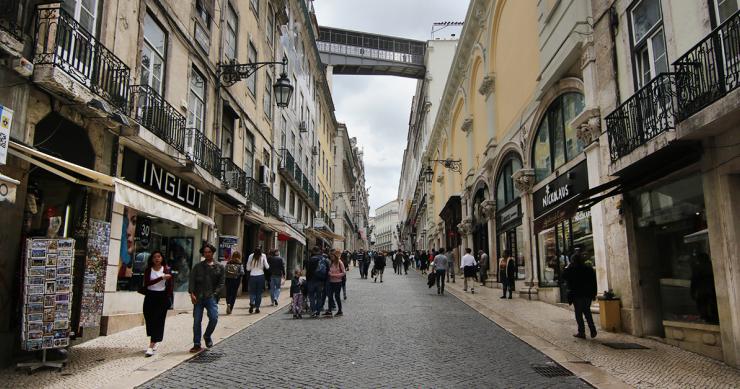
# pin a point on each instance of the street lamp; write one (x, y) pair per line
(428, 174)
(452, 164)
(229, 74)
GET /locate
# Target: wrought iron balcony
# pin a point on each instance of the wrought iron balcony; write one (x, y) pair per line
(272, 205)
(287, 162)
(646, 114)
(255, 192)
(233, 176)
(151, 110)
(63, 43)
(710, 69)
(203, 152)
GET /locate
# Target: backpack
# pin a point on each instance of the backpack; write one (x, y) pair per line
(322, 269)
(232, 270)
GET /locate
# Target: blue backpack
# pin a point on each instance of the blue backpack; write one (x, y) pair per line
(322, 269)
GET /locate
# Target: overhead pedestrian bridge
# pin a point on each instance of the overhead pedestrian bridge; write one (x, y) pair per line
(359, 53)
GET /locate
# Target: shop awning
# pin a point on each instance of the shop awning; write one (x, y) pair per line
(58, 166)
(326, 234)
(143, 200)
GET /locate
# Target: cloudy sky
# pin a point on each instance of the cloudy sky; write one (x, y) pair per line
(376, 108)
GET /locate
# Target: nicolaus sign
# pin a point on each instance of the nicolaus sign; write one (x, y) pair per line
(149, 175)
(561, 190)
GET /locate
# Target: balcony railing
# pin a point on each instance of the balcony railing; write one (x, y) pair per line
(710, 69)
(203, 152)
(255, 192)
(272, 205)
(646, 114)
(233, 176)
(151, 110)
(287, 162)
(62, 42)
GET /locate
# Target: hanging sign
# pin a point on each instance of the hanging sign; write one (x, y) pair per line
(561, 190)
(7, 189)
(6, 119)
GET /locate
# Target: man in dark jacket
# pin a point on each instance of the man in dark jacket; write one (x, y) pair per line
(206, 281)
(316, 280)
(581, 279)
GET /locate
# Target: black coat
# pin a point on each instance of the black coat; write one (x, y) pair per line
(581, 281)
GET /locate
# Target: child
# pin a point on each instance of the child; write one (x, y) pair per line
(296, 292)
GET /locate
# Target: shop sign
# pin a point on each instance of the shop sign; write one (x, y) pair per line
(6, 119)
(148, 174)
(561, 190)
(227, 244)
(8, 188)
(144, 230)
(509, 215)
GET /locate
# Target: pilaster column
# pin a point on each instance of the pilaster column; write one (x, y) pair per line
(524, 181)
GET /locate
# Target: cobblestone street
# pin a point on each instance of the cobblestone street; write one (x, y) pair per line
(395, 334)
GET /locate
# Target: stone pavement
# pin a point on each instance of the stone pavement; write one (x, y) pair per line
(117, 361)
(549, 328)
(398, 334)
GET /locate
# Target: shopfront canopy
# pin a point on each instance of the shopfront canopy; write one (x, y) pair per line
(72, 172)
(143, 200)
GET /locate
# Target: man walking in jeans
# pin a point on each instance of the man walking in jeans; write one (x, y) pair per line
(206, 281)
(440, 268)
(317, 271)
(581, 279)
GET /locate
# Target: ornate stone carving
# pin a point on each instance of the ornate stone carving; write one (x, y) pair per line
(523, 180)
(427, 106)
(486, 85)
(467, 124)
(465, 227)
(589, 132)
(441, 179)
(488, 209)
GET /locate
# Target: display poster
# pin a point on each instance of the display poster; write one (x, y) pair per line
(98, 242)
(47, 293)
(6, 119)
(227, 244)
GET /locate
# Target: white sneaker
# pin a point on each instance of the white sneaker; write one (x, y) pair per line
(149, 352)
(156, 346)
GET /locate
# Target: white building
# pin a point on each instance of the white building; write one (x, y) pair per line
(386, 224)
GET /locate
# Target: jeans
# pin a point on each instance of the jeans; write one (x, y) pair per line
(232, 286)
(256, 286)
(440, 280)
(316, 295)
(507, 284)
(344, 285)
(451, 273)
(334, 295)
(275, 288)
(582, 306)
(365, 267)
(212, 310)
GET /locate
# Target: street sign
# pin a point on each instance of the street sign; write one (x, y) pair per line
(6, 119)
(7, 189)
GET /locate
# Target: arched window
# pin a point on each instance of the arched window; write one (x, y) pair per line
(556, 142)
(506, 192)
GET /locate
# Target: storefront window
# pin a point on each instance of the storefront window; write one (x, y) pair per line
(557, 244)
(673, 250)
(142, 234)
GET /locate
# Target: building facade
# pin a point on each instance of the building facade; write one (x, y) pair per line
(386, 227)
(600, 128)
(134, 118)
(350, 197)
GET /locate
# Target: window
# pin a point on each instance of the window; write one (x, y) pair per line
(252, 80)
(506, 192)
(197, 103)
(556, 142)
(202, 13)
(270, 30)
(283, 128)
(83, 11)
(283, 191)
(227, 134)
(291, 145)
(153, 55)
(292, 203)
(648, 40)
(255, 5)
(230, 40)
(267, 97)
(203, 24)
(725, 8)
(249, 154)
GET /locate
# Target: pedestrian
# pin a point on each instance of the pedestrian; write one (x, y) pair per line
(206, 282)
(366, 259)
(483, 263)
(296, 293)
(157, 300)
(398, 261)
(234, 273)
(317, 272)
(354, 259)
(277, 275)
(406, 263)
(379, 266)
(468, 266)
(423, 262)
(450, 265)
(440, 268)
(507, 273)
(345, 260)
(256, 265)
(581, 281)
(337, 271)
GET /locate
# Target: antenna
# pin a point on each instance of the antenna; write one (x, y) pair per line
(437, 26)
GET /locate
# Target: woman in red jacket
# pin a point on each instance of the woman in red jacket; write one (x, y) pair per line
(157, 300)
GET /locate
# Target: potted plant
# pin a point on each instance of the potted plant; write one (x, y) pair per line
(609, 311)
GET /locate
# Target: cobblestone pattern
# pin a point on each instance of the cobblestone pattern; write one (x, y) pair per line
(661, 366)
(398, 334)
